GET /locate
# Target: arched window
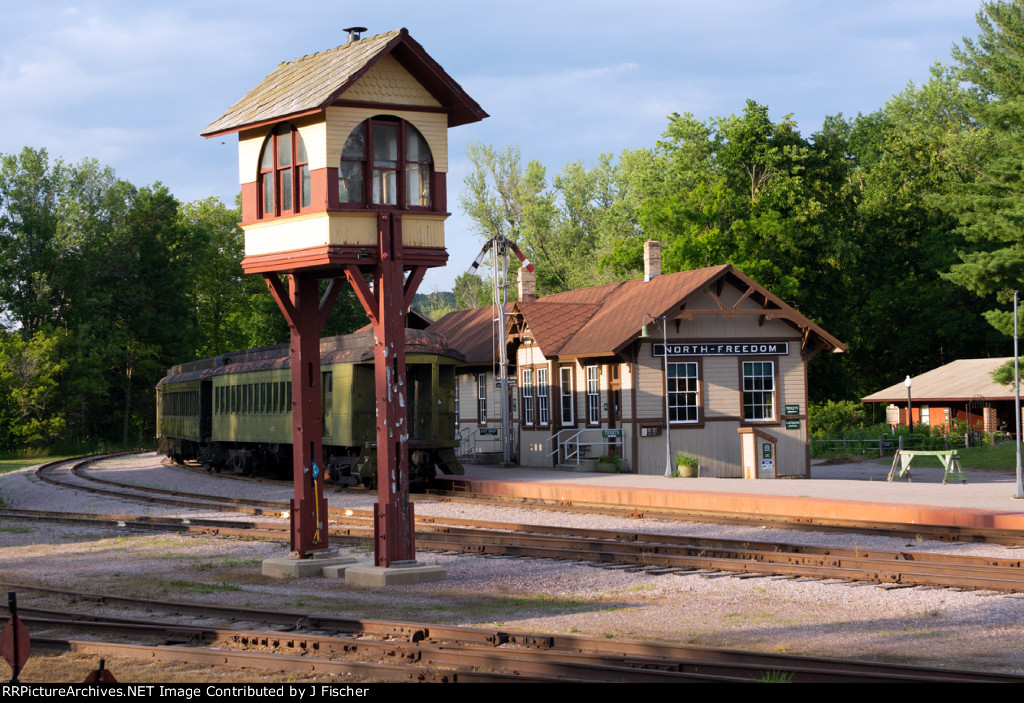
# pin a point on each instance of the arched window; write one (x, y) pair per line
(386, 161)
(284, 183)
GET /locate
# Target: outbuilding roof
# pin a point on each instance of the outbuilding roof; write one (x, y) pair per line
(311, 83)
(962, 381)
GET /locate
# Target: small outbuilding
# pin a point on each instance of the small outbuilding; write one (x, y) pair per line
(961, 391)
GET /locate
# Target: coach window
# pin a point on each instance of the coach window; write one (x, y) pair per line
(759, 391)
(284, 180)
(385, 161)
(683, 392)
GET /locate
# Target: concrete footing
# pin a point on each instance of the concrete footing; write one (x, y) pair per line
(289, 567)
(398, 574)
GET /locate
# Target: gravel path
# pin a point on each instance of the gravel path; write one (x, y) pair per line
(938, 627)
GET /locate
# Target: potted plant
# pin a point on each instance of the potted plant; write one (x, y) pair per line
(609, 464)
(687, 465)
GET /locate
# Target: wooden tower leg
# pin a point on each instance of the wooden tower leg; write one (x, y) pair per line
(393, 519)
(305, 315)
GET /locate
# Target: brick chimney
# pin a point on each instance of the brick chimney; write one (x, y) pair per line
(527, 285)
(652, 259)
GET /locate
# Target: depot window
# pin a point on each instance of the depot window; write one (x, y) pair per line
(683, 392)
(386, 161)
(284, 180)
(758, 391)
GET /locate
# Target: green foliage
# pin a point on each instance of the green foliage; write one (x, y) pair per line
(29, 380)
(435, 305)
(833, 418)
(559, 226)
(908, 318)
(775, 676)
(991, 209)
(1004, 375)
(472, 292)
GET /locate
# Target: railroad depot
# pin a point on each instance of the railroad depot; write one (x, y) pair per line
(599, 370)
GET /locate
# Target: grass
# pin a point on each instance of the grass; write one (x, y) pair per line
(7, 465)
(775, 677)
(1002, 456)
(197, 587)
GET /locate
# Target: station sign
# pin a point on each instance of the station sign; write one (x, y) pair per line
(611, 434)
(721, 349)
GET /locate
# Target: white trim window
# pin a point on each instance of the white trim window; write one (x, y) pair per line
(568, 411)
(543, 409)
(528, 396)
(481, 395)
(456, 400)
(683, 392)
(593, 395)
(759, 391)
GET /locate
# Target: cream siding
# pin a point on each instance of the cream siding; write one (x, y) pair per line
(314, 230)
(388, 82)
(312, 128)
(423, 230)
(287, 234)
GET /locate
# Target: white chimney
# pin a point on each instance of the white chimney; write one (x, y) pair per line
(652, 259)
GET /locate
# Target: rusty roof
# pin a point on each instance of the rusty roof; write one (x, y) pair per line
(606, 318)
(962, 380)
(471, 332)
(311, 83)
(343, 349)
(603, 320)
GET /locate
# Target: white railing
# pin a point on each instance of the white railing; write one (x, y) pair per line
(480, 440)
(571, 440)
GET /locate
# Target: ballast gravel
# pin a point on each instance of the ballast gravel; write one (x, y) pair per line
(931, 627)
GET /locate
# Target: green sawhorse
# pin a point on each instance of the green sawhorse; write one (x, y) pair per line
(950, 461)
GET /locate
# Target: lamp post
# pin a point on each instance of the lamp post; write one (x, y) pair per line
(664, 335)
(1019, 493)
(910, 408)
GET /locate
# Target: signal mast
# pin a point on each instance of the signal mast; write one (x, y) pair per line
(499, 246)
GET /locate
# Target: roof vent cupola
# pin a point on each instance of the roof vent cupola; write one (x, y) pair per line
(353, 34)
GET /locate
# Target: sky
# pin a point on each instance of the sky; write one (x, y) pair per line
(131, 84)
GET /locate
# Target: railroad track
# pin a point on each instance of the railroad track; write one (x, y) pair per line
(940, 533)
(429, 652)
(609, 548)
(655, 554)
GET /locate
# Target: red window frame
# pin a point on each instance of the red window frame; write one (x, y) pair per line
(370, 169)
(284, 184)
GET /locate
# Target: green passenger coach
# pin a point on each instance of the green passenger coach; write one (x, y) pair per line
(234, 411)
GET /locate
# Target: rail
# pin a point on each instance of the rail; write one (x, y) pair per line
(569, 440)
(474, 441)
(888, 444)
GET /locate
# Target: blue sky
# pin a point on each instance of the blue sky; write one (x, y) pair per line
(131, 84)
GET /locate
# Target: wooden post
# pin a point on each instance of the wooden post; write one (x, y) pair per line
(393, 517)
(305, 315)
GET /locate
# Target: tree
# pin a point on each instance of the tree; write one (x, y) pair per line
(908, 318)
(991, 208)
(560, 227)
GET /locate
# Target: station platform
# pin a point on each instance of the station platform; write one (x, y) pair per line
(842, 492)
